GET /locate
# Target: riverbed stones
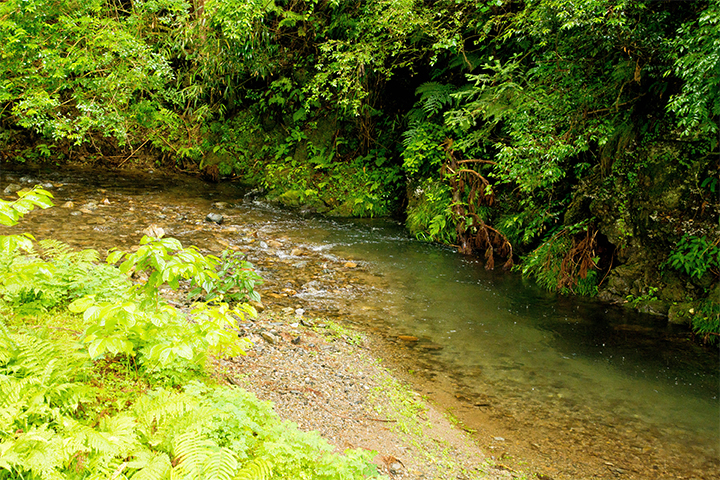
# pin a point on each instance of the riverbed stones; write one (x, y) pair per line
(269, 337)
(12, 188)
(154, 231)
(408, 338)
(214, 218)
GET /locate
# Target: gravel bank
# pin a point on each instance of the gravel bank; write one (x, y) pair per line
(323, 377)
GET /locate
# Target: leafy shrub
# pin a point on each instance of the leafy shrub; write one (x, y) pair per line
(235, 282)
(162, 338)
(11, 212)
(50, 274)
(695, 255)
(565, 262)
(706, 319)
(430, 217)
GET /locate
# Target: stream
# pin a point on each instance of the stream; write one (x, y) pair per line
(573, 387)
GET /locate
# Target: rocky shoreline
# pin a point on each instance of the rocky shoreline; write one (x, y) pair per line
(323, 376)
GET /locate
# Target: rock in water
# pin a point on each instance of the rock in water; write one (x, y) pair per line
(154, 231)
(12, 188)
(269, 337)
(214, 217)
(408, 338)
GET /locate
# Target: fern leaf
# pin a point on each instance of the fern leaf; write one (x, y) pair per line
(55, 249)
(434, 96)
(158, 468)
(257, 469)
(221, 465)
(191, 452)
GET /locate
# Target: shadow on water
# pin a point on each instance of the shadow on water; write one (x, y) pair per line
(627, 383)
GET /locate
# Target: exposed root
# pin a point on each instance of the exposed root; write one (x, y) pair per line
(472, 232)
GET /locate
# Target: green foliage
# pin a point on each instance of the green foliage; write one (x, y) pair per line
(49, 427)
(423, 152)
(706, 319)
(562, 263)
(235, 282)
(167, 263)
(695, 255)
(67, 411)
(163, 339)
(11, 212)
(698, 65)
(430, 217)
(50, 275)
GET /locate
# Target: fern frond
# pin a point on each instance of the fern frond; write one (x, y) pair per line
(55, 249)
(32, 355)
(191, 452)
(220, 465)
(60, 252)
(257, 469)
(156, 468)
(435, 96)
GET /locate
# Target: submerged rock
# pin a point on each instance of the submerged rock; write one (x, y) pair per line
(12, 188)
(154, 231)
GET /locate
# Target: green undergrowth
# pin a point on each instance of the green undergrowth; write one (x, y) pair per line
(102, 378)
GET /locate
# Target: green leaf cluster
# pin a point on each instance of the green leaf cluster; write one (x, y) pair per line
(11, 212)
(695, 255)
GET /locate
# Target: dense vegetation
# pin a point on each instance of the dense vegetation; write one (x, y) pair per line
(580, 138)
(100, 378)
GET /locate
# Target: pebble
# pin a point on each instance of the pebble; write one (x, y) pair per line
(154, 231)
(269, 337)
(214, 217)
(350, 265)
(68, 205)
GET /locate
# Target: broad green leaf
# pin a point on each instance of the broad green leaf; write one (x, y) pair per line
(82, 304)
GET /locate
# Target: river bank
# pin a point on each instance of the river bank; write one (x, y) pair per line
(334, 270)
(326, 377)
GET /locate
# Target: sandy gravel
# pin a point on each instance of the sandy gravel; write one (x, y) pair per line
(323, 377)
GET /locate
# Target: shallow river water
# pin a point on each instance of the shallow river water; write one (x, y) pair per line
(570, 388)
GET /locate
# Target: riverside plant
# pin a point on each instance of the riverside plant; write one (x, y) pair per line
(110, 381)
